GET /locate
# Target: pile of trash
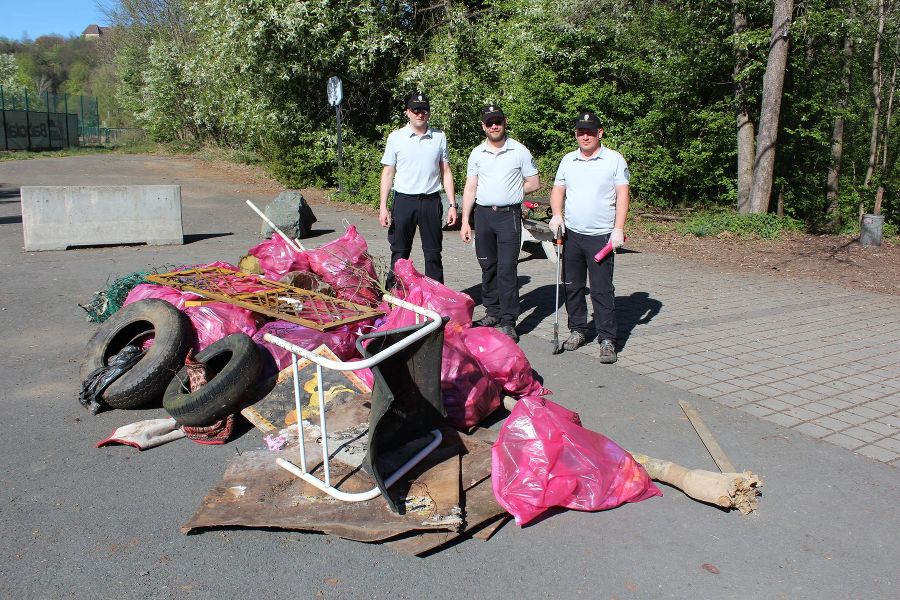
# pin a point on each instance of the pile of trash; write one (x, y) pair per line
(204, 361)
(480, 365)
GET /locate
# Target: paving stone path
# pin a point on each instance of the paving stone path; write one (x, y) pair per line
(814, 357)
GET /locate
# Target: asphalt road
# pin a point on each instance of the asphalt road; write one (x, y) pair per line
(81, 522)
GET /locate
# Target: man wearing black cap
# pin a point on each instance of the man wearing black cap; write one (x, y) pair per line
(416, 161)
(589, 201)
(500, 172)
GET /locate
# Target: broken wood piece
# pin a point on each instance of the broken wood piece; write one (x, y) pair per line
(712, 446)
(728, 490)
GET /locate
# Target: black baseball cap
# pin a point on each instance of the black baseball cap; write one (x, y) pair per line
(587, 120)
(491, 111)
(417, 101)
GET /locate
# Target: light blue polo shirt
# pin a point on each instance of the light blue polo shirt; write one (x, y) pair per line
(417, 159)
(500, 172)
(590, 183)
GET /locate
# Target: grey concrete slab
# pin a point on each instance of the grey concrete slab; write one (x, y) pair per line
(58, 217)
(80, 522)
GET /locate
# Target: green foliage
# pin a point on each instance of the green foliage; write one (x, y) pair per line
(766, 226)
(309, 163)
(360, 174)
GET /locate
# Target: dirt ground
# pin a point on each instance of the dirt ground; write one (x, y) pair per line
(836, 259)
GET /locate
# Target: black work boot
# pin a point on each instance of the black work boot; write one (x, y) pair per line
(509, 331)
(486, 321)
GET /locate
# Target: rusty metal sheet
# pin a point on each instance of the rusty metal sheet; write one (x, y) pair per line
(482, 515)
(255, 492)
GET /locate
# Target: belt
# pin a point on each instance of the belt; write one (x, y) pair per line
(417, 196)
(507, 208)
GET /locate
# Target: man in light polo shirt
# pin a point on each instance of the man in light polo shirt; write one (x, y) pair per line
(591, 189)
(416, 161)
(499, 173)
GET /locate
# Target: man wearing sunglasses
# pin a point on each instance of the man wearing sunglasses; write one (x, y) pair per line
(500, 172)
(416, 162)
(589, 201)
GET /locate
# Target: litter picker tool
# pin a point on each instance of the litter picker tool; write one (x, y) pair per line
(557, 348)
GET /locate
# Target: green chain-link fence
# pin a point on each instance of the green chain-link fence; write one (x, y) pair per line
(47, 121)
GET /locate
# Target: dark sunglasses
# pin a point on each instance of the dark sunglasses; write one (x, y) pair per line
(492, 122)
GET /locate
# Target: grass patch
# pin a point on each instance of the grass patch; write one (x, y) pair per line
(766, 226)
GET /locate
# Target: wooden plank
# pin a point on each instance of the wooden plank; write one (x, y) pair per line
(715, 450)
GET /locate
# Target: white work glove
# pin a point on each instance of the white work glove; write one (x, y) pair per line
(557, 228)
(617, 238)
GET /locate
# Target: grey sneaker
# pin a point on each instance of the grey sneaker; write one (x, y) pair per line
(509, 331)
(486, 321)
(575, 341)
(608, 351)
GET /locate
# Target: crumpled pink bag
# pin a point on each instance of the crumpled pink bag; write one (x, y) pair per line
(420, 290)
(214, 320)
(543, 457)
(277, 257)
(346, 266)
(469, 392)
(341, 341)
(143, 291)
(504, 361)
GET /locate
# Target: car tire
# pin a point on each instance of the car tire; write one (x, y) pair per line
(142, 385)
(233, 365)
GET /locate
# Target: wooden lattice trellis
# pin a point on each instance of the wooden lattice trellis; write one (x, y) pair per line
(277, 300)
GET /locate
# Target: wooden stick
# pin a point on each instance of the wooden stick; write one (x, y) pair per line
(706, 436)
(295, 244)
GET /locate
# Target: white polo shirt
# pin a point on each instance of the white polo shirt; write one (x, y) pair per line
(500, 172)
(590, 183)
(417, 159)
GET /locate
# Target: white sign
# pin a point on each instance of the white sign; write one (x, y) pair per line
(335, 91)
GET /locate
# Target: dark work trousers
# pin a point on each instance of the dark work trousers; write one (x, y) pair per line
(498, 239)
(578, 262)
(426, 212)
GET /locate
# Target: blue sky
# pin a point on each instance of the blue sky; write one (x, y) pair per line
(41, 17)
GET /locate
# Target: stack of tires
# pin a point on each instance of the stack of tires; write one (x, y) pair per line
(233, 365)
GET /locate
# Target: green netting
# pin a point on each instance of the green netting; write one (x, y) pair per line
(106, 302)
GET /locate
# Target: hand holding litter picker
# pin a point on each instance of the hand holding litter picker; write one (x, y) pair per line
(557, 228)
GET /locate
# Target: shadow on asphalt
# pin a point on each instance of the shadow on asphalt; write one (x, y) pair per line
(314, 233)
(190, 238)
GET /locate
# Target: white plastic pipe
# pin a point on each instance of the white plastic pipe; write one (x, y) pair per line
(295, 244)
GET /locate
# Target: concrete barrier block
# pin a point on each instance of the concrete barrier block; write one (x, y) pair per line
(58, 217)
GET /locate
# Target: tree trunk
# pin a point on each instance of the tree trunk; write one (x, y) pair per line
(876, 96)
(745, 132)
(832, 197)
(773, 82)
(890, 106)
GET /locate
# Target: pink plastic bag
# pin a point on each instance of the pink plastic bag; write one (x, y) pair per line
(341, 341)
(346, 265)
(503, 360)
(543, 457)
(174, 297)
(470, 394)
(215, 320)
(277, 257)
(423, 291)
